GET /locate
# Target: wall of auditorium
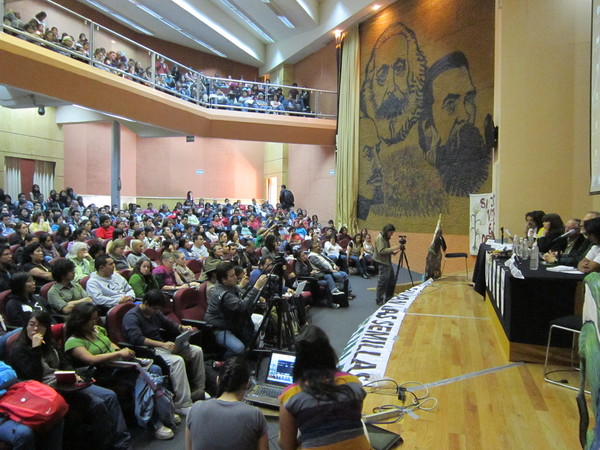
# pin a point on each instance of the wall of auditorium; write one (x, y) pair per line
(542, 109)
(26, 134)
(309, 177)
(87, 153)
(169, 167)
(319, 70)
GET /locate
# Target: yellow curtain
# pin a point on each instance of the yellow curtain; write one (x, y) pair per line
(347, 137)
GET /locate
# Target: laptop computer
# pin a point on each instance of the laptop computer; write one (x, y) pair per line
(278, 377)
(298, 291)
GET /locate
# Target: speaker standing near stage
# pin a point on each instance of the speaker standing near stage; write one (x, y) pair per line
(383, 255)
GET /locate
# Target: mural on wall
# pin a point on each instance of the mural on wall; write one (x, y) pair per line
(422, 125)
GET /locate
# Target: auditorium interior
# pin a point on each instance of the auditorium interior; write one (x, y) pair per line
(537, 85)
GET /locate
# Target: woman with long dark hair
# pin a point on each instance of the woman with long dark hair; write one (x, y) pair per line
(22, 301)
(33, 262)
(209, 423)
(35, 356)
(324, 404)
(141, 279)
(553, 228)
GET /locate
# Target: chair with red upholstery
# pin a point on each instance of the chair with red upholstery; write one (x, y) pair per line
(53, 260)
(151, 253)
(64, 245)
(114, 320)
(91, 242)
(13, 248)
(45, 288)
(186, 305)
(83, 281)
(195, 266)
(168, 312)
(125, 273)
(128, 240)
(190, 306)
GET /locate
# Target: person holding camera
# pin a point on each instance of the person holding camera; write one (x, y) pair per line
(230, 310)
(383, 256)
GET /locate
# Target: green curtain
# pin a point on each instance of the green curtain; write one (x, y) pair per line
(347, 136)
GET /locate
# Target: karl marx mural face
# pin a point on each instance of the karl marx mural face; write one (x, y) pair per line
(394, 76)
(447, 134)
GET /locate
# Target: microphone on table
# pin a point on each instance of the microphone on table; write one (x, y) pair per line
(564, 235)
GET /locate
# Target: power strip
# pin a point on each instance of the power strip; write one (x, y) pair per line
(383, 415)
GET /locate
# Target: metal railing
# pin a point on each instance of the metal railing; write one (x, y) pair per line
(146, 67)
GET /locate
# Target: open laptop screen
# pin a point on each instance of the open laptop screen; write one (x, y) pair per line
(280, 368)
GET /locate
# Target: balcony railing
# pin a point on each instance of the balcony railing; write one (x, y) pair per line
(152, 69)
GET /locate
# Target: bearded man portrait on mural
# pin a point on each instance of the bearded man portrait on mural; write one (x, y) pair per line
(447, 134)
(390, 103)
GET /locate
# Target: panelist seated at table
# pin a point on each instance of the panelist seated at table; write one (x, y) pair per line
(591, 262)
(553, 228)
(534, 225)
(578, 244)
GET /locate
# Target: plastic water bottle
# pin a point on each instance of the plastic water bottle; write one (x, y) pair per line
(534, 260)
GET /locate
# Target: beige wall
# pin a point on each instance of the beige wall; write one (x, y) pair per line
(542, 109)
(26, 134)
(88, 149)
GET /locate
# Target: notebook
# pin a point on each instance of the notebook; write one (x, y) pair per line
(278, 377)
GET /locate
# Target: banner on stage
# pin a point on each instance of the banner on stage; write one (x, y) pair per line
(482, 220)
(367, 353)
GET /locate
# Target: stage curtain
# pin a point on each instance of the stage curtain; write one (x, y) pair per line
(347, 136)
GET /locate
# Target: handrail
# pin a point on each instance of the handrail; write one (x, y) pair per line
(197, 78)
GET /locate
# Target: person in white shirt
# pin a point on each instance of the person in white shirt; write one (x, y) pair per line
(199, 250)
(106, 287)
(591, 262)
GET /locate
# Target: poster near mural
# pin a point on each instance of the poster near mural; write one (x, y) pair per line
(426, 132)
(482, 220)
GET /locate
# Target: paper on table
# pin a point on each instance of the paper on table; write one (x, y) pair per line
(564, 269)
(514, 270)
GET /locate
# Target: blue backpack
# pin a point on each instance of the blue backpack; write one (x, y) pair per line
(8, 377)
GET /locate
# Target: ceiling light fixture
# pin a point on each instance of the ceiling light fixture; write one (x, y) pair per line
(120, 17)
(376, 6)
(280, 15)
(177, 28)
(249, 21)
(183, 4)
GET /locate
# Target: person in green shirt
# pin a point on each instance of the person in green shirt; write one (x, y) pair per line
(66, 293)
(84, 265)
(141, 279)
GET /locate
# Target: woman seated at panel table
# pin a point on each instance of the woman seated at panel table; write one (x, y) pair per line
(553, 228)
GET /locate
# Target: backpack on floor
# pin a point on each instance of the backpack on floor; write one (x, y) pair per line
(34, 405)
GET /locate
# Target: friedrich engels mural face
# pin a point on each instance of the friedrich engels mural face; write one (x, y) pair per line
(391, 93)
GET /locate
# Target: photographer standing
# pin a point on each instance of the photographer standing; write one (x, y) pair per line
(383, 255)
(230, 312)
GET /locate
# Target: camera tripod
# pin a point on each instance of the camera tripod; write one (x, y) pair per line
(284, 326)
(403, 259)
(287, 317)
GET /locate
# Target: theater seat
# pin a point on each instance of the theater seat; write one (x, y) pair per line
(195, 266)
(114, 321)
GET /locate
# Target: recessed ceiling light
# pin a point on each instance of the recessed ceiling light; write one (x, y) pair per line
(376, 6)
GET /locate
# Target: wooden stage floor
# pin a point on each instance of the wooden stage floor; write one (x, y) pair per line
(449, 333)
